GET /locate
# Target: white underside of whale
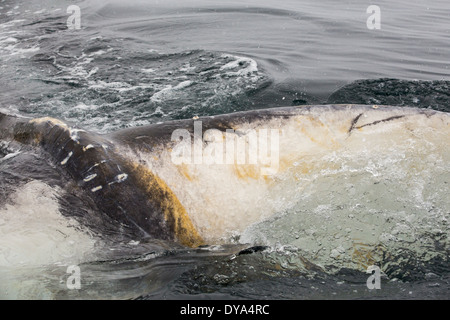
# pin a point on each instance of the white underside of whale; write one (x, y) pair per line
(401, 145)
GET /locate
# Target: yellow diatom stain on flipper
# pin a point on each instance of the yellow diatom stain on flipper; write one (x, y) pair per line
(317, 132)
(184, 170)
(246, 172)
(174, 212)
(365, 255)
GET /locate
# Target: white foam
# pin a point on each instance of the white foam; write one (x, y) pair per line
(250, 68)
(117, 85)
(169, 90)
(13, 111)
(22, 51)
(36, 237)
(93, 71)
(8, 40)
(11, 23)
(74, 134)
(33, 231)
(99, 52)
(149, 70)
(10, 155)
(83, 107)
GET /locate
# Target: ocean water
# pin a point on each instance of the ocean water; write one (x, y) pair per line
(136, 63)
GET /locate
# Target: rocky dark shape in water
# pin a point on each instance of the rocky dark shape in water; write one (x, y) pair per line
(423, 94)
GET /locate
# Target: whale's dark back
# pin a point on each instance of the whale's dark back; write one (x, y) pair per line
(125, 192)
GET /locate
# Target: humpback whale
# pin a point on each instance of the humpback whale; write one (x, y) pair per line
(134, 178)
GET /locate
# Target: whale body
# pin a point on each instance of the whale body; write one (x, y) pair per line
(205, 180)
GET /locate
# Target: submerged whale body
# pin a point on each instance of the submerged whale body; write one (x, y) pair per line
(206, 180)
